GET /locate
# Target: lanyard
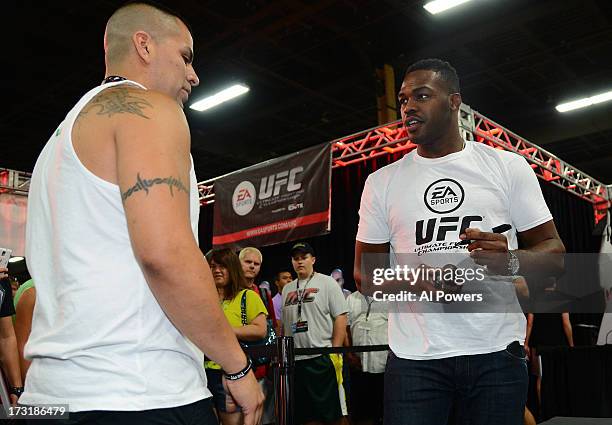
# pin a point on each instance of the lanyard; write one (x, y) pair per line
(369, 306)
(301, 298)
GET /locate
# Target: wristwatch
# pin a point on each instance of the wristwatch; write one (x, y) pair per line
(513, 264)
(16, 391)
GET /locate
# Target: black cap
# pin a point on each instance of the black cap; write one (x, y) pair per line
(302, 247)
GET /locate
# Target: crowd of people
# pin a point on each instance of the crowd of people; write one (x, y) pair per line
(316, 315)
(109, 327)
(330, 388)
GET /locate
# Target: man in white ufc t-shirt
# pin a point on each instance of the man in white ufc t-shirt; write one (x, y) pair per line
(471, 364)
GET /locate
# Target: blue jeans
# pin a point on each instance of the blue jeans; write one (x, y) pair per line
(483, 389)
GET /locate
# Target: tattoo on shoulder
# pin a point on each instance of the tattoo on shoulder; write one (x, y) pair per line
(146, 184)
(118, 100)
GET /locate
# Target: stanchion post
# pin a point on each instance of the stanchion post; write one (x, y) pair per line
(284, 367)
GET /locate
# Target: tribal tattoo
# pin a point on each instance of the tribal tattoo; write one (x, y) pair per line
(145, 184)
(118, 100)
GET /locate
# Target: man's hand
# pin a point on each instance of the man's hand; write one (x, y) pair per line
(488, 249)
(527, 351)
(246, 393)
(13, 398)
(353, 361)
(3, 272)
(436, 279)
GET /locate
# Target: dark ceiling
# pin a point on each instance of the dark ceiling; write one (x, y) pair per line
(311, 69)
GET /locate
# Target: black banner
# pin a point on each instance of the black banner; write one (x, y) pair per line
(276, 201)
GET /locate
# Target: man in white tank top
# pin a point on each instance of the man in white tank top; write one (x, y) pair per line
(117, 334)
(470, 365)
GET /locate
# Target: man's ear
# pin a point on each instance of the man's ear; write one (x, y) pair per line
(143, 44)
(455, 101)
(314, 259)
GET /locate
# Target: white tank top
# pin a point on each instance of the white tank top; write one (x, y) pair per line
(100, 340)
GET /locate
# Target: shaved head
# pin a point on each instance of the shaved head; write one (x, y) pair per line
(152, 46)
(134, 17)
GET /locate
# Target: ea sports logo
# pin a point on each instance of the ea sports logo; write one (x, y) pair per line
(243, 199)
(444, 196)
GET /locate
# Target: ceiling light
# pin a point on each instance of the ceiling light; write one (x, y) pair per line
(15, 259)
(583, 103)
(218, 98)
(438, 6)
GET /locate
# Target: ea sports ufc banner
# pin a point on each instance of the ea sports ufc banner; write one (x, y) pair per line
(276, 201)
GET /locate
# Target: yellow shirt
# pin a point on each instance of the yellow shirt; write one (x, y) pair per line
(232, 311)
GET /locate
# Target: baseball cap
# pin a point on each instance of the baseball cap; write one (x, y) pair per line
(303, 248)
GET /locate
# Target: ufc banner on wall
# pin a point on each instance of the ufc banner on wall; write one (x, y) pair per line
(276, 201)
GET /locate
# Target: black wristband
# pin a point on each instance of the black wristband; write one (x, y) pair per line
(240, 374)
(16, 391)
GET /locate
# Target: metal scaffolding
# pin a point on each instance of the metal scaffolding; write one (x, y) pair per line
(13, 181)
(391, 138)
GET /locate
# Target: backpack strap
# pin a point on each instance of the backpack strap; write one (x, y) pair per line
(243, 313)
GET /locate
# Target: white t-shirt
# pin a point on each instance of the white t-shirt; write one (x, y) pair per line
(418, 205)
(368, 322)
(322, 301)
(99, 340)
